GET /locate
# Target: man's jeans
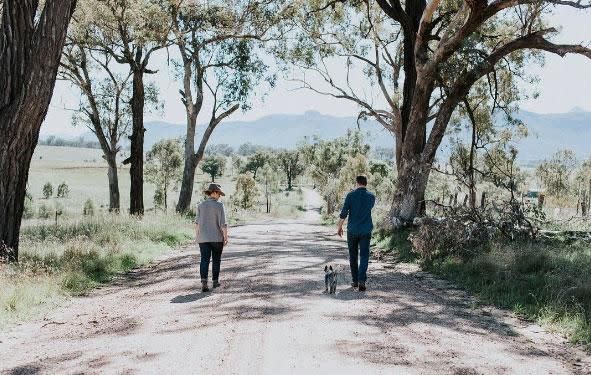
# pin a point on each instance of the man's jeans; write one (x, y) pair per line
(358, 255)
(210, 250)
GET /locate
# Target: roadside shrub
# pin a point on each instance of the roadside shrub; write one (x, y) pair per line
(531, 261)
(445, 237)
(88, 209)
(63, 190)
(246, 191)
(47, 190)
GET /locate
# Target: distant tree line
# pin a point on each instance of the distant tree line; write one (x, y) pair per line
(79, 142)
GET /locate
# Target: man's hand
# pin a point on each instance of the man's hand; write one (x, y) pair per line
(340, 231)
(225, 241)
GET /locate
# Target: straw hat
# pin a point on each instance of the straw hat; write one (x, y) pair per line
(216, 188)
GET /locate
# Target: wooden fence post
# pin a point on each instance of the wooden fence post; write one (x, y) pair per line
(483, 199)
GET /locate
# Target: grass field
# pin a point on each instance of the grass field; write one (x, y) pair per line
(85, 172)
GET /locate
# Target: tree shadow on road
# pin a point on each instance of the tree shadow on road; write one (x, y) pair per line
(190, 297)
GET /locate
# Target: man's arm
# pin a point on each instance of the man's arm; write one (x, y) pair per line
(340, 227)
(343, 216)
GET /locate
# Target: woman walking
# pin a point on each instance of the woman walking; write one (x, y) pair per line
(211, 233)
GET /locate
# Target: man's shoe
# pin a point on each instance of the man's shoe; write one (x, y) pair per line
(204, 287)
(362, 287)
(354, 284)
(216, 283)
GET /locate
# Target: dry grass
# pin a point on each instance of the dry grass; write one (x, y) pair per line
(74, 257)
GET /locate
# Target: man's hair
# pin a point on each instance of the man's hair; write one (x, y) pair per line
(361, 180)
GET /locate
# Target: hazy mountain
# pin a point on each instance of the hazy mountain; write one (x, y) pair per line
(548, 132)
(280, 130)
(551, 132)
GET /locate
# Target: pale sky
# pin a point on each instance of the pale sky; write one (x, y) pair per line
(565, 83)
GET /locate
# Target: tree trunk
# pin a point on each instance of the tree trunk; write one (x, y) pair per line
(14, 164)
(289, 181)
(409, 195)
(114, 198)
(186, 193)
(30, 50)
(136, 158)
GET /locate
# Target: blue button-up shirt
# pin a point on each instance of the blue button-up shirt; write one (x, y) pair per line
(357, 206)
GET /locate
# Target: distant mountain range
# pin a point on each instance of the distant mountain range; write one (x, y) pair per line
(547, 132)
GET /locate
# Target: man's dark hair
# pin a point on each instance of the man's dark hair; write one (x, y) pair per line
(361, 180)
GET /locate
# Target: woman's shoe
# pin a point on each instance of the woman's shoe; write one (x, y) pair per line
(354, 284)
(216, 283)
(204, 287)
(362, 287)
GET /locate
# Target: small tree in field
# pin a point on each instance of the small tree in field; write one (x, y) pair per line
(246, 191)
(213, 166)
(88, 209)
(163, 167)
(47, 190)
(270, 180)
(255, 162)
(555, 173)
(63, 190)
(291, 163)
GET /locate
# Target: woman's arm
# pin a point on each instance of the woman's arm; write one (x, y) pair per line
(225, 233)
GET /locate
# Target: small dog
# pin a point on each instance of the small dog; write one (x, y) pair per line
(330, 280)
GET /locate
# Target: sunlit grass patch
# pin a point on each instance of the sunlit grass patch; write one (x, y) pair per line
(545, 282)
(78, 255)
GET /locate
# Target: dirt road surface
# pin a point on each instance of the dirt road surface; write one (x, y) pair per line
(271, 317)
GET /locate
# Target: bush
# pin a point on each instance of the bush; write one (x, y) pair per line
(440, 238)
(88, 209)
(44, 212)
(63, 190)
(47, 190)
(246, 191)
(158, 198)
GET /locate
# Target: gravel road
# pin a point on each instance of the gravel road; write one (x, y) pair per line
(271, 317)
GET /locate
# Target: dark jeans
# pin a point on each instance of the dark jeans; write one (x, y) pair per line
(358, 255)
(210, 250)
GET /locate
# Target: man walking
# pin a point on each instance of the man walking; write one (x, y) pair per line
(357, 207)
(211, 233)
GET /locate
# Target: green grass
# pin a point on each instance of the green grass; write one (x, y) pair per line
(395, 243)
(78, 255)
(545, 282)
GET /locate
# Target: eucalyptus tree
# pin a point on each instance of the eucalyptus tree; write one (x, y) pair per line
(163, 168)
(220, 45)
(291, 162)
(425, 58)
(255, 162)
(103, 106)
(32, 36)
(130, 31)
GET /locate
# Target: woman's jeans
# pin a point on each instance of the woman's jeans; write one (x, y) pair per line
(210, 250)
(358, 255)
